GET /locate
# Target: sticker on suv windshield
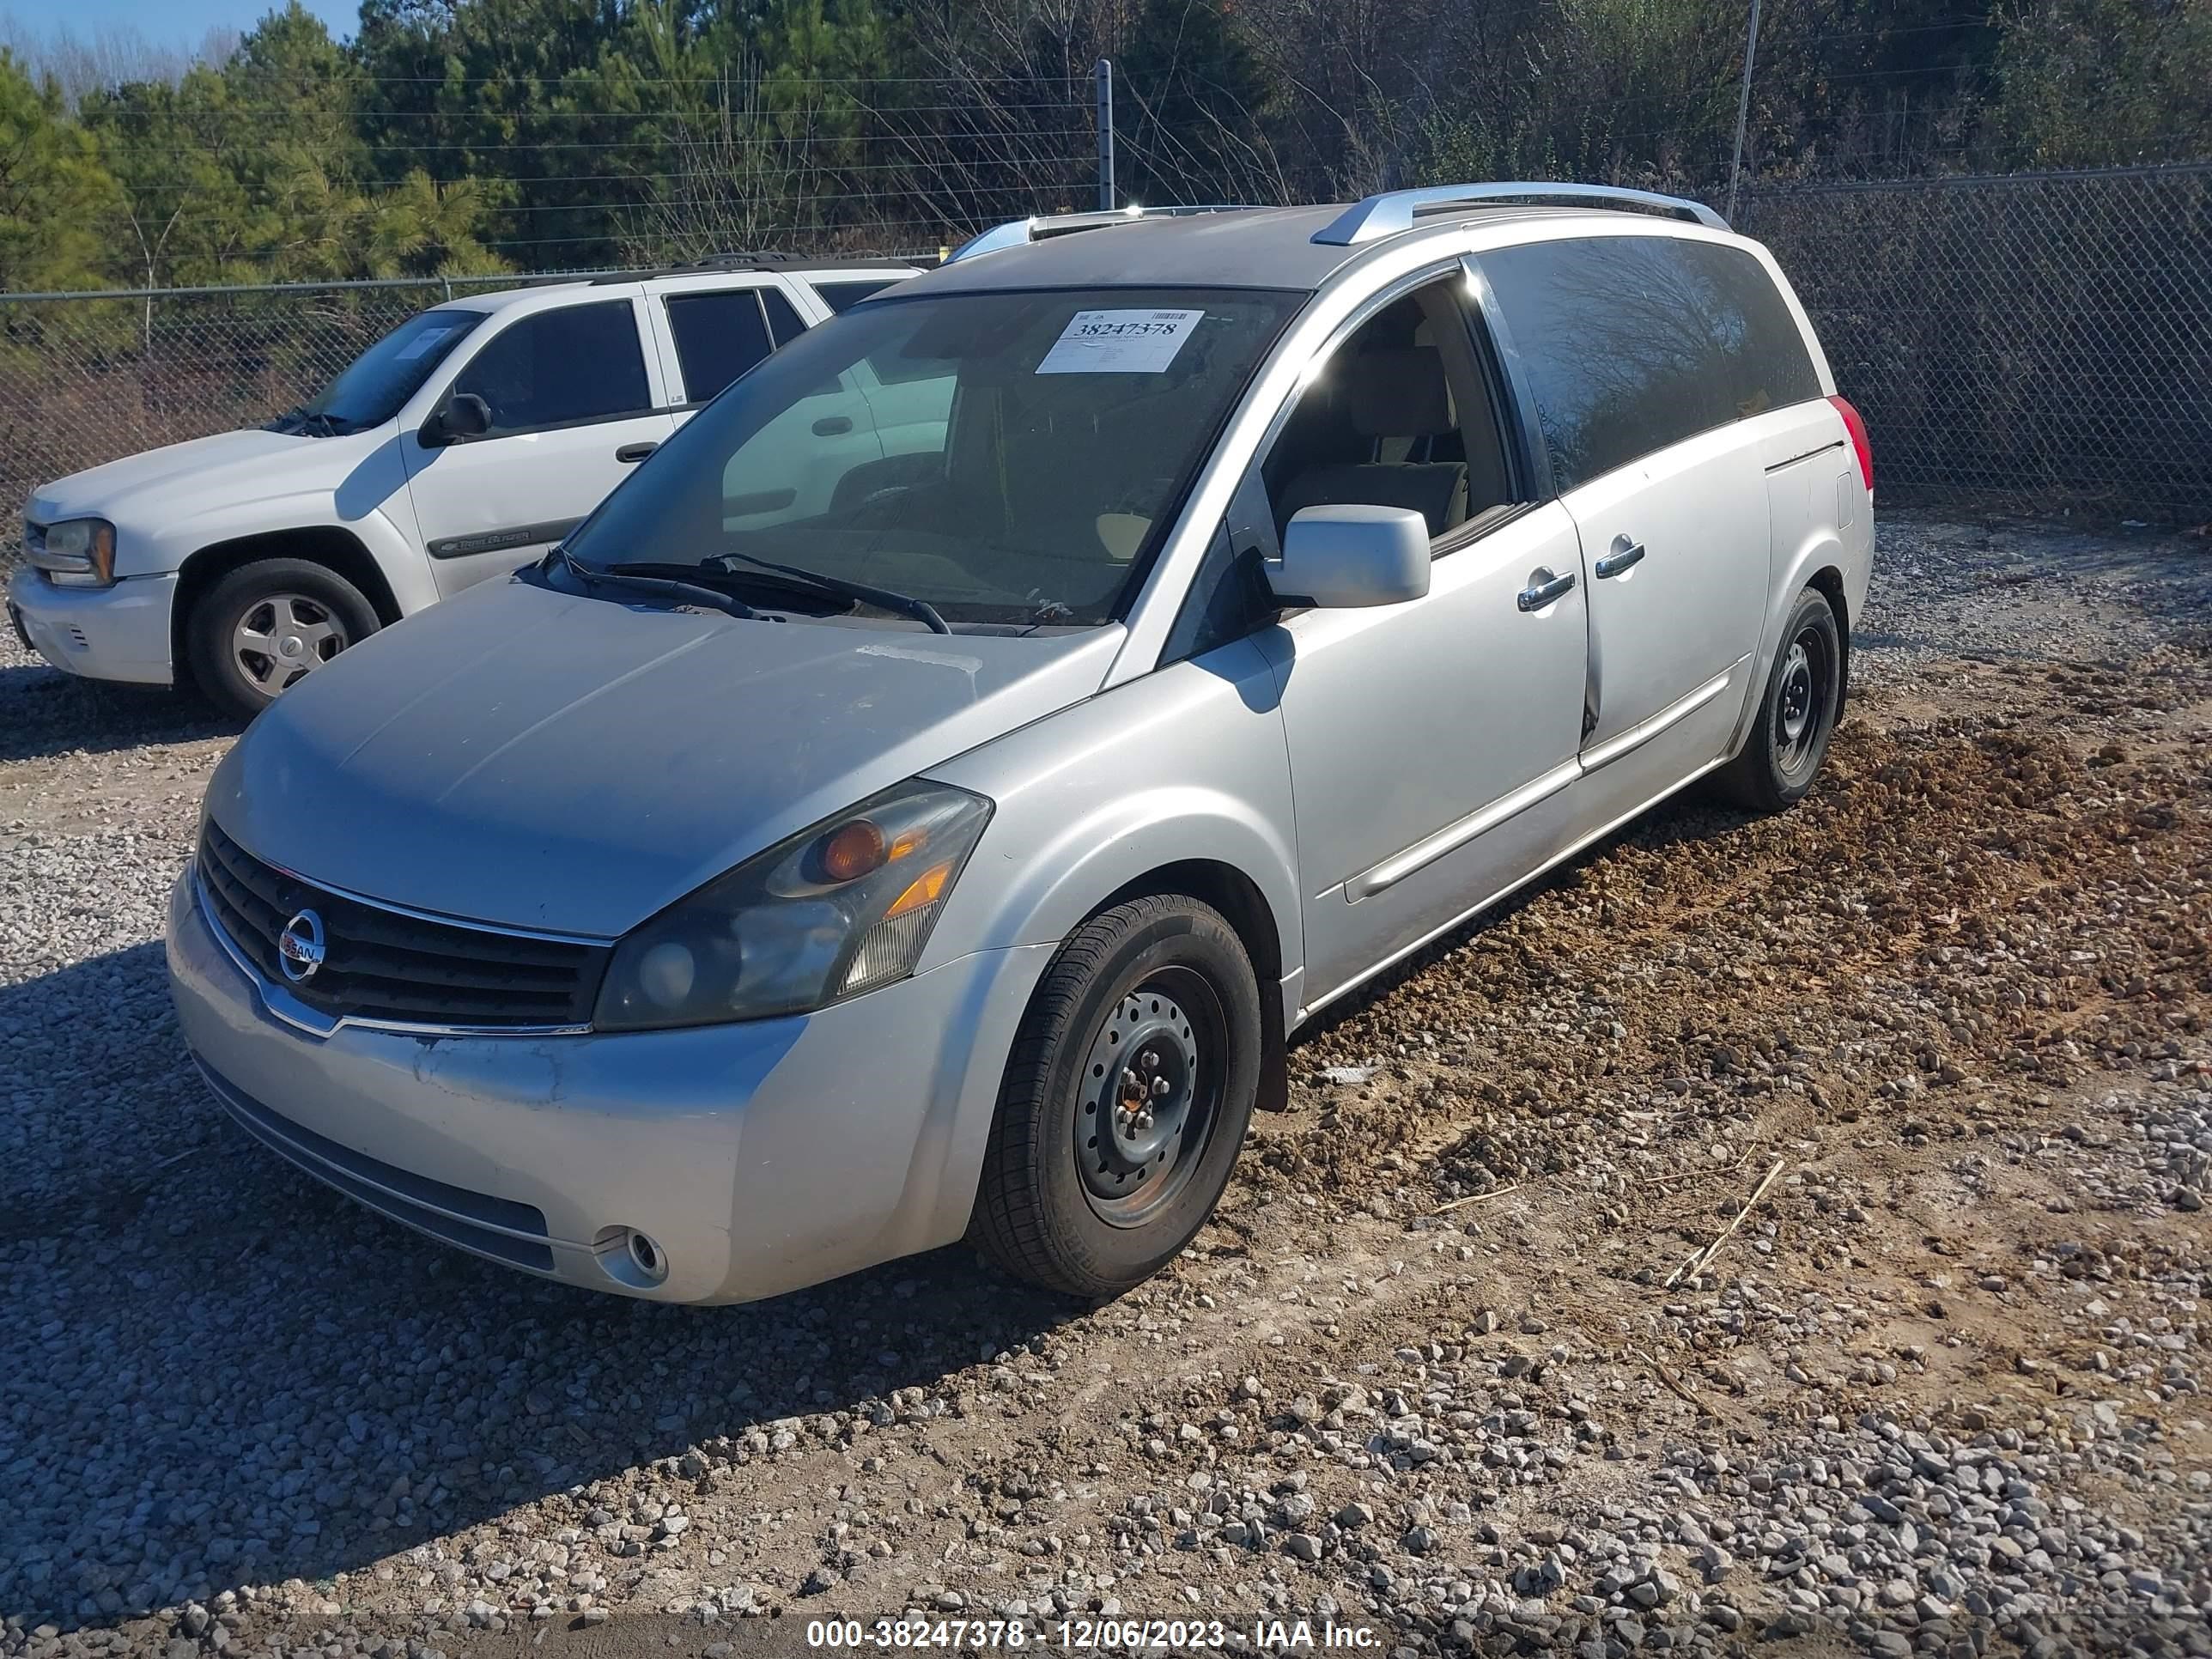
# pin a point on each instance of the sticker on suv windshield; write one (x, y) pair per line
(1119, 342)
(422, 342)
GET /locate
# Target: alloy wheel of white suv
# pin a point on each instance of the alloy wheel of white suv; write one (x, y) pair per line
(267, 626)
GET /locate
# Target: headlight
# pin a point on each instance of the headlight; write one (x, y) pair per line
(839, 909)
(75, 553)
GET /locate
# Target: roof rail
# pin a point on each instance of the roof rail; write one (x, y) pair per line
(1018, 233)
(1394, 211)
(714, 262)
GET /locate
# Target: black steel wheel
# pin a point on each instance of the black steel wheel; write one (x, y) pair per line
(1126, 1099)
(1151, 1088)
(1798, 715)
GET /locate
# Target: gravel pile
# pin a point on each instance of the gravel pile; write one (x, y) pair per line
(1486, 1351)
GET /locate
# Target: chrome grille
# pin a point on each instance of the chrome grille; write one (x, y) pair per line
(389, 965)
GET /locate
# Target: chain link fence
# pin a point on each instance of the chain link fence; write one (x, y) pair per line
(2034, 343)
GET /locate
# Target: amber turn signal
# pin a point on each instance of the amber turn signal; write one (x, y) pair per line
(926, 889)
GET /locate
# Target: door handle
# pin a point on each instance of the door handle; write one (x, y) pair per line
(1543, 589)
(630, 453)
(833, 426)
(1621, 559)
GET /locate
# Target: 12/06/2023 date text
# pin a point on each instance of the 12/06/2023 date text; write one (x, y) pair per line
(1077, 1635)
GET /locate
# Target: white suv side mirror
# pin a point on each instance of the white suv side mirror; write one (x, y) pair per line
(463, 416)
(1350, 555)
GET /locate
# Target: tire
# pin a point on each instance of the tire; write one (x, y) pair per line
(307, 612)
(1168, 974)
(1798, 715)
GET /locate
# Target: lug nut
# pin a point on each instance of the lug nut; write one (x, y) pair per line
(1159, 1086)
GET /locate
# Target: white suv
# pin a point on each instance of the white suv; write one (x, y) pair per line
(459, 445)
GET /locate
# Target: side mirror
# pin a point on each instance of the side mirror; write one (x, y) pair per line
(463, 415)
(1342, 557)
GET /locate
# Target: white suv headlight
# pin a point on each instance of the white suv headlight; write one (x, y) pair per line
(75, 553)
(838, 909)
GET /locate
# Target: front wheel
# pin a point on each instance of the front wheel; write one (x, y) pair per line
(1126, 1100)
(1798, 715)
(268, 625)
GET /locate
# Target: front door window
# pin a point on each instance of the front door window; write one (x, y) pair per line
(561, 368)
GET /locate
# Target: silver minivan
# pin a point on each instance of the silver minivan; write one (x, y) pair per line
(734, 899)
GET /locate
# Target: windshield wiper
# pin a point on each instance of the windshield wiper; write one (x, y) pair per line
(300, 418)
(666, 587)
(722, 580)
(884, 599)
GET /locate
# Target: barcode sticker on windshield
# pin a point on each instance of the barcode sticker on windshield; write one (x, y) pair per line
(422, 343)
(1119, 342)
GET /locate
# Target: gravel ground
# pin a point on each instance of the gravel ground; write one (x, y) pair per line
(1485, 1352)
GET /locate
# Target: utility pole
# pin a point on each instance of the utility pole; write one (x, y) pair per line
(1743, 110)
(1104, 76)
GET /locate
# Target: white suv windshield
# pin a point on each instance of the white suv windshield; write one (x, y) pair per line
(372, 388)
(1008, 458)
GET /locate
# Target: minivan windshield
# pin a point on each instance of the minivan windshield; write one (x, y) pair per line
(370, 390)
(1006, 457)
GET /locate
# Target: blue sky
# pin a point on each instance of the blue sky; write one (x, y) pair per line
(182, 22)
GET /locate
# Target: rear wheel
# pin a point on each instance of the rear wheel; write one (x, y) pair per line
(1126, 1100)
(1798, 715)
(268, 625)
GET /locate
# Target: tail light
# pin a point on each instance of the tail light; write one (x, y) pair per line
(1860, 447)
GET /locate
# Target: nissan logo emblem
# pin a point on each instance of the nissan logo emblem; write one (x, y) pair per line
(299, 947)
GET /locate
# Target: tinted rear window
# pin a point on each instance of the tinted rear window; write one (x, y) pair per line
(843, 296)
(1634, 343)
(719, 337)
(783, 321)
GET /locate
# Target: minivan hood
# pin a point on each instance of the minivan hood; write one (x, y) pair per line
(178, 480)
(537, 759)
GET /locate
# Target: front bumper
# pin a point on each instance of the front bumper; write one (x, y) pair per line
(119, 633)
(759, 1157)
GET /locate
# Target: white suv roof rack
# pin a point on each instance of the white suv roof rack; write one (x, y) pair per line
(1394, 211)
(1015, 232)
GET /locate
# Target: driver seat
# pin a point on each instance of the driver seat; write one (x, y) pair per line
(1398, 401)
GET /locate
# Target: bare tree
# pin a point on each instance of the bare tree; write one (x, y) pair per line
(738, 179)
(1004, 127)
